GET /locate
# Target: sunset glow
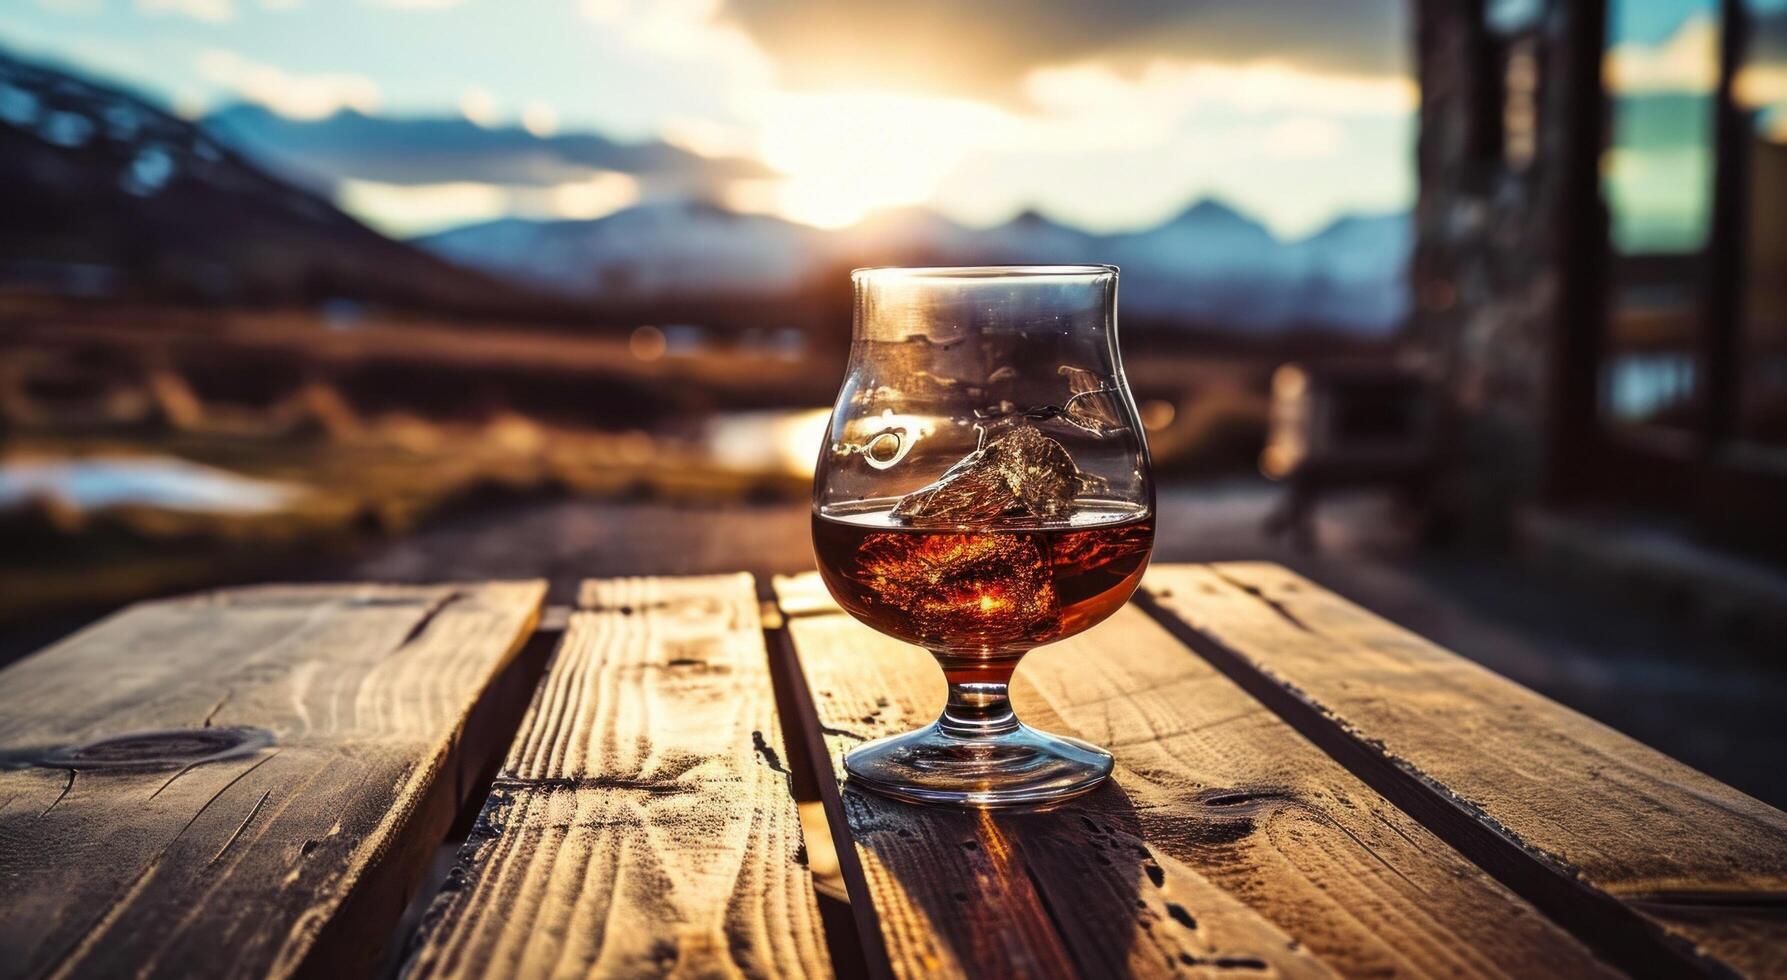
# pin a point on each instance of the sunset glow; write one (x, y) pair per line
(847, 154)
(819, 115)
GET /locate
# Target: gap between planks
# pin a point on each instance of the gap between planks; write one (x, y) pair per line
(1041, 893)
(355, 711)
(852, 931)
(684, 660)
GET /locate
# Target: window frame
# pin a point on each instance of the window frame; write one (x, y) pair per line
(1724, 488)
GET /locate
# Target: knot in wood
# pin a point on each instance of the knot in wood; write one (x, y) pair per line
(166, 748)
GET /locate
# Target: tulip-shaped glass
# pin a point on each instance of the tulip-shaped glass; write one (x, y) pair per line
(983, 490)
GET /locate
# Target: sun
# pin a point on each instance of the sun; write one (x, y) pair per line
(845, 154)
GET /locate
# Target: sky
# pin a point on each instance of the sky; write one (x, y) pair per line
(1109, 116)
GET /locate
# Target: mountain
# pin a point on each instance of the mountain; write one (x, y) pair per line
(1210, 266)
(103, 192)
(1031, 237)
(1208, 238)
(673, 247)
(1215, 264)
(349, 144)
(905, 236)
(1359, 247)
(1357, 269)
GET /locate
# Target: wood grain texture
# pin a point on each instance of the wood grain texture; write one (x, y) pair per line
(245, 783)
(1225, 842)
(643, 824)
(964, 893)
(1699, 864)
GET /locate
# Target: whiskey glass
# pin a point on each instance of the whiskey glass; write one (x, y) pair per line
(984, 489)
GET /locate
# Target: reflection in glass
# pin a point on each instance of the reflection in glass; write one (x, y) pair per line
(1760, 90)
(1661, 73)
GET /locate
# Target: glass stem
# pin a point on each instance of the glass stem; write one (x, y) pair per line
(978, 709)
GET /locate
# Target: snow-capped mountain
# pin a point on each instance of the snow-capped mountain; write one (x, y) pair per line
(1031, 237)
(1356, 269)
(423, 150)
(101, 186)
(1209, 238)
(1212, 260)
(104, 192)
(674, 247)
(1210, 265)
(908, 236)
(1353, 248)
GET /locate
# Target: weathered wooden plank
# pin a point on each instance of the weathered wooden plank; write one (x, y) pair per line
(244, 783)
(961, 893)
(1662, 866)
(643, 823)
(1225, 837)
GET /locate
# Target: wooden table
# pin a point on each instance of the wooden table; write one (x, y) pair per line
(255, 782)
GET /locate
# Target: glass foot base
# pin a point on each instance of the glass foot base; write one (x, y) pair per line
(1023, 767)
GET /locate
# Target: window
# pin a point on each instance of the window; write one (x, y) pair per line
(1661, 74)
(1759, 90)
(1688, 373)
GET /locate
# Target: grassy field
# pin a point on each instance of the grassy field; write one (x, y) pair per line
(385, 423)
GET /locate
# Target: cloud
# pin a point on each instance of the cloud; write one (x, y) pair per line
(210, 11)
(842, 154)
(1166, 90)
(600, 194)
(478, 105)
(407, 210)
(539, 118)
(845, 154)
(885, 103)
(1685, 61)
(292, 96)
(691, 31)
(707, 138)
(415, 4)
(1304, 136)
(986, 49)
(451, 150)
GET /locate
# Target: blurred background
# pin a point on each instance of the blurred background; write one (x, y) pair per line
(1473, 310)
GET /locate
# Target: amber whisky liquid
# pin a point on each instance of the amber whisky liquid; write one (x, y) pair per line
(984, 595)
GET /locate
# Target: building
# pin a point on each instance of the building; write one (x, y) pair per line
(1600, 274)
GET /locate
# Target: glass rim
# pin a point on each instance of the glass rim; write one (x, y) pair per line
(895, 272)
